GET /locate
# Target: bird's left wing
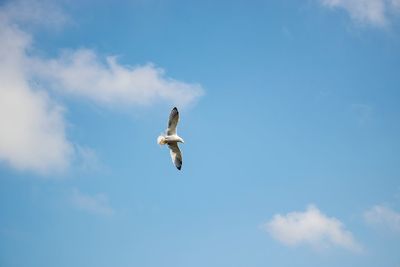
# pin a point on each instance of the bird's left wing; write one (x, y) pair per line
(173, 121)
(176, 155)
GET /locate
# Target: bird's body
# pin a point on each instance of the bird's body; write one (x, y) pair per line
(172, 139)
(165, 139)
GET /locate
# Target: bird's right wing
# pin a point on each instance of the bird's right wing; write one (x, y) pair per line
(173, 121)
(176, 155)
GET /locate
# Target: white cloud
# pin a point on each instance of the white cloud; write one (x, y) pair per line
(372, 12)
(383, 216)
(83, 73)
(310, 227)
(96, 204)
(32, 135)
(33, 129)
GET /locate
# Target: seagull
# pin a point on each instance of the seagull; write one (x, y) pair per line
(171, 139)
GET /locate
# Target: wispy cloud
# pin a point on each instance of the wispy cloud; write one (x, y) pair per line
(44, 13)
(363, 113)
(371, 12)
(33, 129)
(383, 216)
(310, 227)
(83, 73)
(95, 204)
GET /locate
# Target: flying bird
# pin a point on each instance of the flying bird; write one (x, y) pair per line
(172, 139)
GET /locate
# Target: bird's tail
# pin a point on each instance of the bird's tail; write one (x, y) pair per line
(161, 140)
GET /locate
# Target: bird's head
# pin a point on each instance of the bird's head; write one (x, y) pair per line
(161, 140)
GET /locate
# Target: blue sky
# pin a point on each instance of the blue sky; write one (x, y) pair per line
(289, 111)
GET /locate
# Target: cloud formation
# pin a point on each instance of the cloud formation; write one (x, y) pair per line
(83, 73)
(310, 227)
(383, 216)
(32, 135)
(33, 129)
(96, 204)
(372, 12)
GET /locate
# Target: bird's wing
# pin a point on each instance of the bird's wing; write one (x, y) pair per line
(173, 121)
(176, 155)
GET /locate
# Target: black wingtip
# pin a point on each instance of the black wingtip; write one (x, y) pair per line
(175, 108)
(179, 168)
